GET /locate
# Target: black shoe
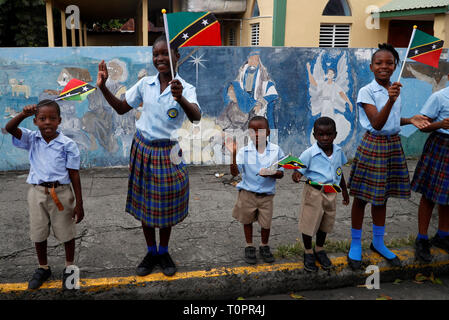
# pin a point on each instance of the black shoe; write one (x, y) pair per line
(442, 243)
(147, 265)
(323, 259)
(265, 253)
(167, 264)
(354, 264)
(422, 250)
(394, 262)
(65, 275)
(309, 262)
(39, 277)
(250, 255)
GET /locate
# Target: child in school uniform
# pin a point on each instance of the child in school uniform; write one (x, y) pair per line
(324, 161)
(431, 177)
(158, 185)
(54, 165)
(379, 170)
(257, 188)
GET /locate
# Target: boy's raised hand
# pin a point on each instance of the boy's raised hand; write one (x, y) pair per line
(102, 74)
(29, 110)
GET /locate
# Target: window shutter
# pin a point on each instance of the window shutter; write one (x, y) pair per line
(255, 34)
(334, 35)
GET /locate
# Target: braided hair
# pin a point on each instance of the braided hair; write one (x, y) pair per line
(387, 47)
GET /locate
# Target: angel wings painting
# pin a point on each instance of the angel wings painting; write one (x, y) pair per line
(328, 95)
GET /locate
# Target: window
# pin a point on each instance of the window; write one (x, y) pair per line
(256, 11)
(232, 37)
(334, 35)
(255, 34)
(337, 8)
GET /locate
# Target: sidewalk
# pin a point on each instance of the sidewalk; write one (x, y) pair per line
(207, 245)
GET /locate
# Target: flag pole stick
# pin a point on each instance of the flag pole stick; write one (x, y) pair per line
(408, 50)
(167, 36)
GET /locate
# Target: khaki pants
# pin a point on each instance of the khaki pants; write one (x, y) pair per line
(44, 215)
(250, 208)
(318, 210)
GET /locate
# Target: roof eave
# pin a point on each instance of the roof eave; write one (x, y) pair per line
(410, 12)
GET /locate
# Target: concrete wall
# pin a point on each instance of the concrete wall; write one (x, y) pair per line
(285, 95)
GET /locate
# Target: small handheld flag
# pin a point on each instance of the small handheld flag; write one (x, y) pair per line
(76, 90)
(290, 162)
(423, 48)
(327, 188)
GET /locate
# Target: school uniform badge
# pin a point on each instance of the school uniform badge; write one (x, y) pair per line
(172, 113)
(338, 171)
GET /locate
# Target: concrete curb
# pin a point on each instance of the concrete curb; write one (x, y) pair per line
(231, 283)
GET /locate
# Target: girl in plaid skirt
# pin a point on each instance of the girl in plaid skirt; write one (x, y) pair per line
(431, 177)
(158, 185)
(379, 170)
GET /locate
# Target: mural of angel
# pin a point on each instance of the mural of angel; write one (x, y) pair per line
(328, 95)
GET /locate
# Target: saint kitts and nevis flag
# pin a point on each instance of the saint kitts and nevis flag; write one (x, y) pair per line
(186, 29)
(425, 48)
(75, 90)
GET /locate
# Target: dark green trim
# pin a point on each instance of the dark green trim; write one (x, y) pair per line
(279, 17)
(411, 12)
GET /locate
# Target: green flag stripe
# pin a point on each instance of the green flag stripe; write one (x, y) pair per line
(422, 38)
(179, 21)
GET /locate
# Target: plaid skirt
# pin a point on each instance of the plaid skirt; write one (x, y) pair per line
(379, 170)
(158, 189)
(431, 177)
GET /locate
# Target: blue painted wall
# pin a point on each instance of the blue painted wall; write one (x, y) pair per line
(28, 75)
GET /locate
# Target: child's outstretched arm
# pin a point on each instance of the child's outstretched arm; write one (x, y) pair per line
(344, 190)
(13, 125)
(78, 212)
(191, 109)
(231, 145)
(120, 106)
(418, 120)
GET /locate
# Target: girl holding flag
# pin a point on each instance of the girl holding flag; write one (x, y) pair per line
(158, 188)
(379, 170)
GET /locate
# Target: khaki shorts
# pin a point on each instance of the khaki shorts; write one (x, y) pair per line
(45, 215)
(250, 208)
(318, 210)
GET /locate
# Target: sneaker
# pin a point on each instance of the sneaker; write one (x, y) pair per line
(309, 262)
(39, 277)
(167, 264)
(265, 253)
(250, 255)
(442, 243)
(422, 250)
(65, 275)
(323, 259)
(147, 265)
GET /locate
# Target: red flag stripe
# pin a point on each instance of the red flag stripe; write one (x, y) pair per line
(430, 58)
(211, 32)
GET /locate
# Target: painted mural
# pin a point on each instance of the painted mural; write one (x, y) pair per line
(290, 86)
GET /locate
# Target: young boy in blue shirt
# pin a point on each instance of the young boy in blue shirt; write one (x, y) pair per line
(323, 161)
(54, 164)
(257, 188)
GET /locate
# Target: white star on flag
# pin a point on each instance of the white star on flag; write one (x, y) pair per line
(416, 51)
(185, 36)
(205, 22)
(434, 47)
(85, 89)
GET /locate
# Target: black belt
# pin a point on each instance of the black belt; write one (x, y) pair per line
(53, 184)
(260, 194)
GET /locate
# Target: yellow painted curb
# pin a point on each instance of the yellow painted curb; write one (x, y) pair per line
(339, 263)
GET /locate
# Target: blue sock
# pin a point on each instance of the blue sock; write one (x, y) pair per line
(442, 234)
(355, 252)
(422, 236)
(378, 242)
(152, 249)
(162, 250)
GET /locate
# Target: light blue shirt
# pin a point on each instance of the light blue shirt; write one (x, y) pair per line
(250, 161)
(161, 115)
(48, 161)
(320, 167)
(437, 107)
(376, 95)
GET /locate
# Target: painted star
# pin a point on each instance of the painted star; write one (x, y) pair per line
(185, 36)
(198, 60)
(204, 22)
